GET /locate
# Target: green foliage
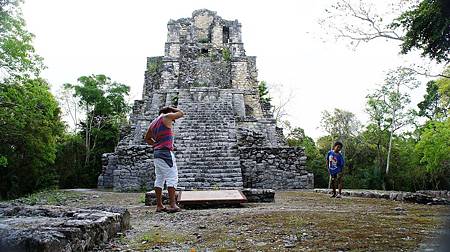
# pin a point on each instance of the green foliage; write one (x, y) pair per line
(100, 96)
(315, 160)
(175, 100)
(69, 163)
(141, 198)
(264, 92)
(388, 110)
(427, 28)
(3, 161)
(340, 124)
(204, 40)
(154, 66)
(431, 106)
(434, 150)
(31, 126)
(17, 55)
(387, 105)
(226, 54)
(199, 84)
(49, 197)
(105, 106)
(443, 85)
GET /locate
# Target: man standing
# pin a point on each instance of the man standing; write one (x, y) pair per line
(335, 165)
(160, 136)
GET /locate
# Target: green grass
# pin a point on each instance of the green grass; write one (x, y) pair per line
(141, 198)
(156, 237)
(49, 197)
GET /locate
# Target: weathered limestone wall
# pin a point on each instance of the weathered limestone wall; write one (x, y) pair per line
(267, 128)
(276, 168)
(134, 170)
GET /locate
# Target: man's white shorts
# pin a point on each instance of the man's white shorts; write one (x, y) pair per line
(164, 173)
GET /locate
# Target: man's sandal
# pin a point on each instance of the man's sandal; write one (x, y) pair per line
(173, 210)
(161, 210)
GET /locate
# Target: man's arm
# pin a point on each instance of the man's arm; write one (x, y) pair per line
(177, 113)
(149, 137)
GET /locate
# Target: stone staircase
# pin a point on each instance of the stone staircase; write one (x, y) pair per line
(206, 145)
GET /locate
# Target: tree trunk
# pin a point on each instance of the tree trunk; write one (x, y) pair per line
(389, 151)
(88, 137)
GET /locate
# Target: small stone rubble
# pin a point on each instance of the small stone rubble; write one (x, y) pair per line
(420, 197)
(436, 194)
(55, 228)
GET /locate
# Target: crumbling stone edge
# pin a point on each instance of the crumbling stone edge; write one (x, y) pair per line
(420, 197)
(56, 228)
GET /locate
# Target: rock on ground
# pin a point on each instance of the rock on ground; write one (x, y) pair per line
(56, 228)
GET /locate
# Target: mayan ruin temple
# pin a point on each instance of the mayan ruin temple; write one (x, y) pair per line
(228, 138)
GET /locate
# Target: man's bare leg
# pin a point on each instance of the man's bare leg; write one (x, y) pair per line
(172, 200)
(159, 203)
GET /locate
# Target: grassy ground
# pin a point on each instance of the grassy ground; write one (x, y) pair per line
(298, 221)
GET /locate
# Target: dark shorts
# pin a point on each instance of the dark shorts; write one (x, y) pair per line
(340, 175)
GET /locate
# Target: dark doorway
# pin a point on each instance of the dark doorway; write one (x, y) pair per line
(226, 34)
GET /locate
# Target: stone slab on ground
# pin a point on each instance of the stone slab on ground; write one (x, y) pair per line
(56, 228)
(211, 197)
(253, 195)
(259, 195)
(417, 197)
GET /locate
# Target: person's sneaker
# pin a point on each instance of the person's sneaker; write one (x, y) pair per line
(339, 196)
(333, 196)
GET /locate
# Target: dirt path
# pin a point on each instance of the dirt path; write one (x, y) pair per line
(298, 221)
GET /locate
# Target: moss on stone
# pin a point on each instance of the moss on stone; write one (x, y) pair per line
(226, 54)
(154, 66)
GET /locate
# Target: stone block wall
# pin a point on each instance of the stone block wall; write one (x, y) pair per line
(134, 170)
(275, 168)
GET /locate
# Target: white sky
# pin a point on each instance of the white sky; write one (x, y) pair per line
(83, 37)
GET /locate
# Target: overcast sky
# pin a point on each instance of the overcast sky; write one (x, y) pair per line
(82, 37)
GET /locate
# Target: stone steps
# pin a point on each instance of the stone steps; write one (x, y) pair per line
(208, 165)
(208, 148)
(210, 184)
(206, 145)
(206, 156)
(214, 173)
(226, 177)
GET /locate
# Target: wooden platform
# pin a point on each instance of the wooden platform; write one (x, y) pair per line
(211, 197)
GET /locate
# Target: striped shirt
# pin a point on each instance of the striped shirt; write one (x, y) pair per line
(162, 134)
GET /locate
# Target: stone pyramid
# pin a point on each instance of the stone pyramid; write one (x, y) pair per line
(228, 138)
